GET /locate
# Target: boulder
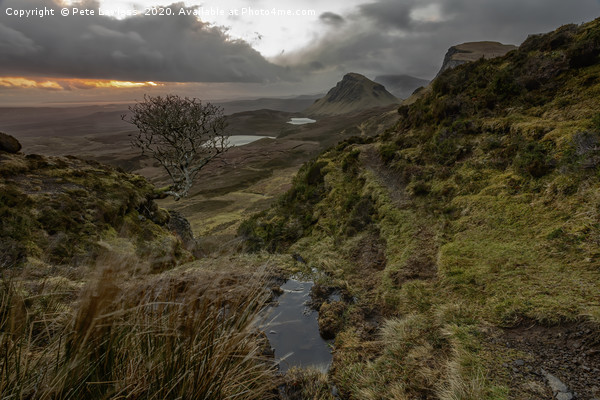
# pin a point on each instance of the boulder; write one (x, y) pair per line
(9, 144)
(180, 226)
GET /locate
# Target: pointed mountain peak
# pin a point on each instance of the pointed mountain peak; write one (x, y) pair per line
(353, 93)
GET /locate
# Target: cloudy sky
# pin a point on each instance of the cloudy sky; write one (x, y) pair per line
(234, 48)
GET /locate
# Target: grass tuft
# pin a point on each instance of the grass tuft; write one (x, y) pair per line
(168, 338)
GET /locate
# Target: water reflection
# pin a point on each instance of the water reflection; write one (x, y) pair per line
(293, 331)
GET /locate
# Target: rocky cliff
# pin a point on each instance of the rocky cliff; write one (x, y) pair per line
(473, 51)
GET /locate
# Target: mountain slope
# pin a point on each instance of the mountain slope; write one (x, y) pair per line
(466, 240)
(401, 86)
(295, 104)
(353, 93)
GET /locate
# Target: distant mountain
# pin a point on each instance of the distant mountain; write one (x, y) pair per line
(293, 104)
(473, 51)
(353, 93)
(401, 86)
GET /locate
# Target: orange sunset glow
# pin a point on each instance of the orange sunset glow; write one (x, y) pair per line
(67, 84)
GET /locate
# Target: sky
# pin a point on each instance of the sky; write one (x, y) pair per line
(64, 51)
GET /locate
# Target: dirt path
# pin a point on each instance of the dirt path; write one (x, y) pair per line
(422, 262)
(560, 362)
(369, 158)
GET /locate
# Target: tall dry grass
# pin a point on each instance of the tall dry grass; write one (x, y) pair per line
(170, 338)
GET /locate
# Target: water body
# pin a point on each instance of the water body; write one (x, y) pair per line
(293, 330)
(301, 121)
(240, 140)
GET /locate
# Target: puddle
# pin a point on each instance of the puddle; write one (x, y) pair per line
(293, 331)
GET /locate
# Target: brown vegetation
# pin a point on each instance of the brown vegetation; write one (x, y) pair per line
(185, 334)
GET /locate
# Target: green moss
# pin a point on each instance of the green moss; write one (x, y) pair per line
(59, 209)
(293, 215)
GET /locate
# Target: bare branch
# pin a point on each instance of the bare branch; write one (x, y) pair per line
(182, 134)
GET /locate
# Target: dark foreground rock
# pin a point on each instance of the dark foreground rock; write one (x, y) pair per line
(179, 225)
(9, 144)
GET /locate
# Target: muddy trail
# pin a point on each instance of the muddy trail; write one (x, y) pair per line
(557, 362)
(421, 264)
(548, 362)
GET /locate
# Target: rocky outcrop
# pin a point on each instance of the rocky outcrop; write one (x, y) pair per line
(9, 144)
(473, 51)
(353, 93)
(401, 86)
(181, 227)
(68, 211)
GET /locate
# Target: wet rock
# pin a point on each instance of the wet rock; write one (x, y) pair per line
(297, 257)
(555, 384)
(559, 389)
(9, 144)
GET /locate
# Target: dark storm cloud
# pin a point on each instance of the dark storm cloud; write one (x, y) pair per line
(410, 36)
(331, 18)
(178, 49)
(389, 14)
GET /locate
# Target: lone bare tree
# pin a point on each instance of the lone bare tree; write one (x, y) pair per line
(182, 134)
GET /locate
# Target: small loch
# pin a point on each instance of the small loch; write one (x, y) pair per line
(301, 121)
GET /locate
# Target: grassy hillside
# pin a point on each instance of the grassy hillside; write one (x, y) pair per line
(467, 238)
(99, 299)
(65, 211)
